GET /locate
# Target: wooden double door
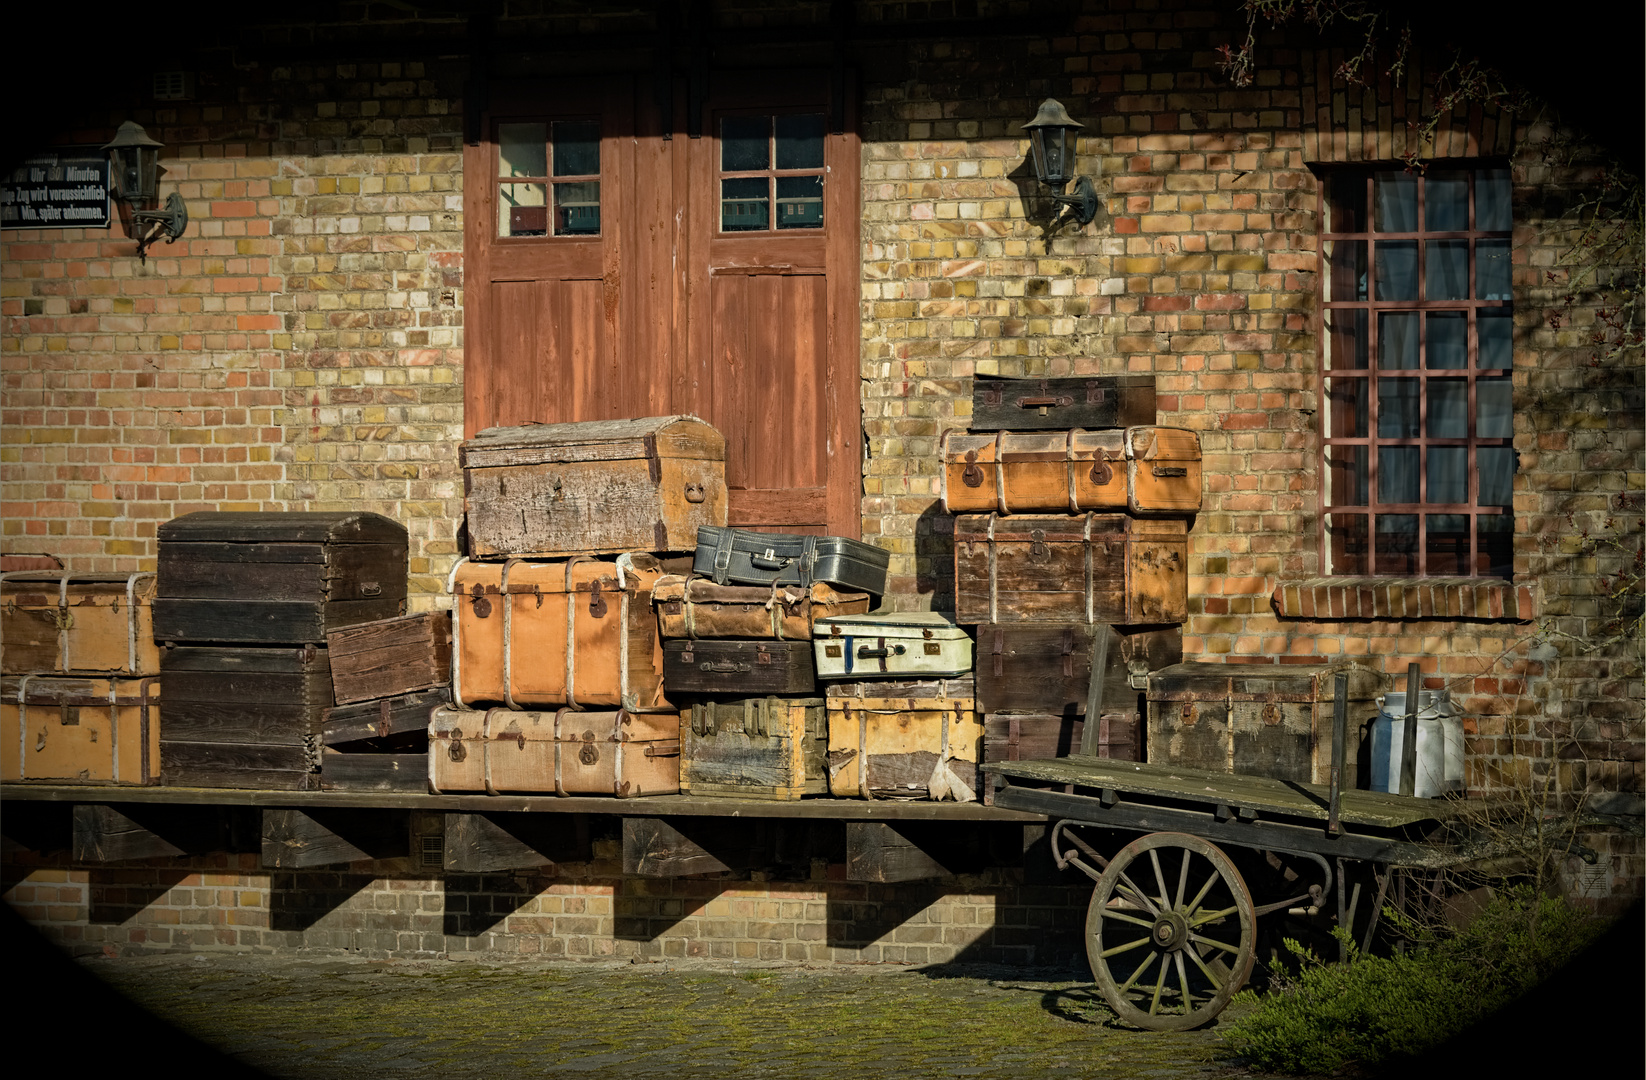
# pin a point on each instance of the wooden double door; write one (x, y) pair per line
(611, 272)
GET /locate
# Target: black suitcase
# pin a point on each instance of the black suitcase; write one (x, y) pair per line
(1089, 401)
(738, 668)
(757, 558)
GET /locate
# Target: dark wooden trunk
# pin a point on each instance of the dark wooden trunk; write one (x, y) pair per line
(1091, 568)
(1091, 401)
(244, 694)
(1047, 669)
(366, 771)
(739, 668)
(238, 765)
(390, 657)
(388, 724)
(276, 577)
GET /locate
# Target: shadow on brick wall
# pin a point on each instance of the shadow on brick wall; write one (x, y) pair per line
(31, 832)
(117, 895)
(476, 903)
(299, 900)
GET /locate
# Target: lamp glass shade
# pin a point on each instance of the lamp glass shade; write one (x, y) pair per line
(135, 165)
(1049, 135)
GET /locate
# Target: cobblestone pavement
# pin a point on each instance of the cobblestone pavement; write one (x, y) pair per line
(331, 1017)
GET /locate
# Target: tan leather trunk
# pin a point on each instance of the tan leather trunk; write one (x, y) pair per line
(61, 729)
(578, 633)
(597, 487)
(695, 607)
(904, 740)
(77, 623)
(1073, 471)
(566, 752)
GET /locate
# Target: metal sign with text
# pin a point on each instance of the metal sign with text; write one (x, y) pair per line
(68, 189)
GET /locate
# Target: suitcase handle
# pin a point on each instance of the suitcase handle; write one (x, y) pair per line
(769, 560)
(729, 666)
(866, 653)
(1043, 402)
(1169, 470)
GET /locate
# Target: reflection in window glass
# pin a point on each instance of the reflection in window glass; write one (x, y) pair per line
(1346, 418)
(522, 210)
(1397, 478)
(1495, 330)
(1492, 211)
(1396, 544)
(1347, 280)
(1448, 339)
(1448, 474)
(800, 142)
(1446, 201)
(1446, 540)
(1346, 466)
(1495, 545)
(1395, 196)
(577, 148)
(1494, 276)
(1447, 270)
(1397, 408)
(522, 150)
(1346, 339)
(745, 143)
(1448, 409)
(1397, 340)
(800, 202)
(1346, 542)
(577, 209)
(1494, 408)
(744, 204)
(1397, 270)
(1496, 465)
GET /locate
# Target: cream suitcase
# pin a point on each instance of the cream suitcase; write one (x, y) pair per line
(907, 645)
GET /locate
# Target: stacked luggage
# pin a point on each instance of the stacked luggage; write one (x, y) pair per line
(1072, 510)
(80, 690)
(388, 677)
(244, 604)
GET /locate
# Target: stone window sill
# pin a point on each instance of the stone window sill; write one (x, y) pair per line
(1329, 598)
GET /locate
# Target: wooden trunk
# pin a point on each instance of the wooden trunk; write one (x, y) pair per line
(390, 657)
(243, 717)
(1088, 401)
(906, 645)
(1073, 472)
(905, 741)
(755, 748)
(695, 607)
(101, 731)
(277, 578)
(1108, 568)
(342, 770)
(1047, 668)
(1256, 719)
(569, 753)
(599, 487)
(51, 622)
(578, 633)
(739, 668)
(1037, 736)
(387, 724)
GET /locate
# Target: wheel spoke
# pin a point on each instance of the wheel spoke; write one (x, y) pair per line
(1201, 895)
(1182, 881)
(1128, 947)
(1183, 981)
(1216, 944)
(1134, 920)
(1202, 920)
(1154, 1002)
(1159, 878)
(1217, 984)
(1141, 968)
(1125, 885)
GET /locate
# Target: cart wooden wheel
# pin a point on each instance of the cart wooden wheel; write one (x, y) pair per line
(1170, 932)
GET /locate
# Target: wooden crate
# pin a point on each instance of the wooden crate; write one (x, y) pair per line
(277, 578)
(904, 740)
(83, 624)
(76, 730)
(755, 748)
(390, 657)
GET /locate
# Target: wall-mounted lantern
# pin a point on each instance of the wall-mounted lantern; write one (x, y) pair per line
(1051, 143)
(134, 169)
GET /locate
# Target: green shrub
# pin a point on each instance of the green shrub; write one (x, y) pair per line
(1328, 1017)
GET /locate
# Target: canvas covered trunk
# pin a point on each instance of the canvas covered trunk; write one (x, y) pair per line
(52, 622)
(598, 487)
(578, 633)
(243, 717)
(79, 730)
(1046, 668)
(499, 751)
(906, 645)
(739, 668)
(761, 558)
(1256, 719)
(390, 657)
(1091, 568)
(755, 748)
(904, 739)
(276, 578)
(689, 606)
(1081, 401)
(1073, 471)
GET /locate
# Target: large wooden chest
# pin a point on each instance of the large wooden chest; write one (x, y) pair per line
(500, 751)
(576, 632)
(1256, 719)
(78, 730)
(390, 657)
(1047, 667)
(1147, 471)
(904, 740)
(1091, 568)
(277, 578)
(600, 487)
(689, 606)
(77, 623)
(1081, 401)
(243, 717)
(755, 748)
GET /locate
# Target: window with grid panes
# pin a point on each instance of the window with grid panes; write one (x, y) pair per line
(548, 177)
(771, 172)
(1418, 341)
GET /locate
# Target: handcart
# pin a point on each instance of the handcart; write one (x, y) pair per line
(1171, 931)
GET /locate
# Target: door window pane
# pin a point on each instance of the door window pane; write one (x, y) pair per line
(1448, 409)
(1447, 344)
(1494, 407)
(1494, 276)
(577, 148)
(745, 143)
(577, 209)
(1397, 478)
(522, 210)
(744, 204)
(1397, 341)
(1492, 211)
(522, 150)
(1446, 201)
(1495, 330)
(1447, 270)
(1395, 196)
(1396, 270)
(800, 202)
(800, 142)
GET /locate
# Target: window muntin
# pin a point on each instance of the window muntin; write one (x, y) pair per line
(771, 172)
(1418, 453)
(548, 164)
